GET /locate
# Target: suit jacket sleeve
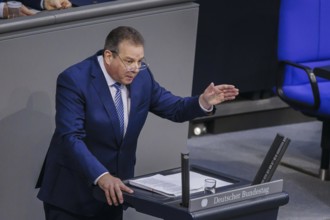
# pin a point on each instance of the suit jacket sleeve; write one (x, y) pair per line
(172, 107)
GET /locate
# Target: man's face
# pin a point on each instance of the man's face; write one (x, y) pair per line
(124, 66)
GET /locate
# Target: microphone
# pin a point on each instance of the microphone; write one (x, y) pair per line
(185, 169)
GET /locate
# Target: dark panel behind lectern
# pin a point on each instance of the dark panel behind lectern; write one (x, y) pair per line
(236, 43)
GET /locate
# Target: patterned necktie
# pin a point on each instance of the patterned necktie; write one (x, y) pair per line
(120, 107)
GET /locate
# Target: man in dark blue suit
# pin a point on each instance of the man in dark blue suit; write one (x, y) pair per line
(59, 4)
(88, 148)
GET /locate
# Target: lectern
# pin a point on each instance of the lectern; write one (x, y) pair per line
(238, 201)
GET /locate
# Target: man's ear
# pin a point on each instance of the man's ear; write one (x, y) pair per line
(108, 56)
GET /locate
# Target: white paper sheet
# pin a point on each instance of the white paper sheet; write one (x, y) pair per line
(170, 185)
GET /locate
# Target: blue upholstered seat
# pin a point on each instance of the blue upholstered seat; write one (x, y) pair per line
(303, 45)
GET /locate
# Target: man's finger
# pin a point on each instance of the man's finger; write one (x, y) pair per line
(126, 188)
(113, 196)
(119, 195)
(66, 4)
(26, 11)
(107, 195)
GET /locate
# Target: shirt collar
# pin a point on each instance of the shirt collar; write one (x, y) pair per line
(108, 78)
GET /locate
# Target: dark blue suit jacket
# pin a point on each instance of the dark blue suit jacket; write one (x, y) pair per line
(86, 142)
(36, 3)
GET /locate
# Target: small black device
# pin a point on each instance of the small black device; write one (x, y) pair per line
(272, 159)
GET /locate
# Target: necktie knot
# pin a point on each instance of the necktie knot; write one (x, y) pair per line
(117, 85)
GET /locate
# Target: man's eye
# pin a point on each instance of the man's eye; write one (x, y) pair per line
(129, 62)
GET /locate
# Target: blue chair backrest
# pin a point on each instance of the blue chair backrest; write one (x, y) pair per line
(304, 35)
(304, 30)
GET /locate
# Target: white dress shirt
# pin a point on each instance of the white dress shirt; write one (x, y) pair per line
(124, 92)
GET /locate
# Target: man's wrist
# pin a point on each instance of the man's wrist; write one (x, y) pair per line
(97, 179)
(203, 104)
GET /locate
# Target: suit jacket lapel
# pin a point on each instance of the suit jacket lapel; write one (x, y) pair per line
(103, 91)
(133, 101)
(135, 97)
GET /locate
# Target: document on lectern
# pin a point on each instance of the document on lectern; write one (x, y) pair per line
(170, 185)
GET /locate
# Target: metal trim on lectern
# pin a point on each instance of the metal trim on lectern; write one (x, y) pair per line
(169, 208)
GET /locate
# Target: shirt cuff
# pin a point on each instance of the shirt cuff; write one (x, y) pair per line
(2, 5)
(204, 109)
(42, 4)
(97, 179)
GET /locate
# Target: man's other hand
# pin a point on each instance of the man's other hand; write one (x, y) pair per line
(113, 187)
(57, 4)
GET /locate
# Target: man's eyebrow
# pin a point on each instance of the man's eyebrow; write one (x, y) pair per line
(131, 58)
